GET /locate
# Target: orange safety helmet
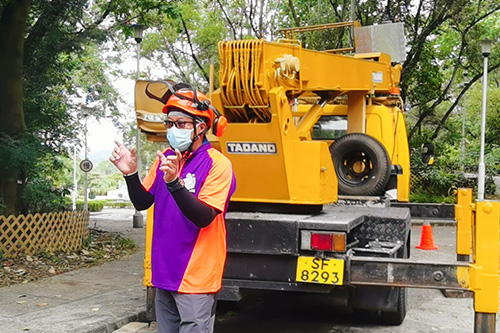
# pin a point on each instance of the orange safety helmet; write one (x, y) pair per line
(197, 105)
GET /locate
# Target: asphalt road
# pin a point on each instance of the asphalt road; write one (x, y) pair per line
(429, 310)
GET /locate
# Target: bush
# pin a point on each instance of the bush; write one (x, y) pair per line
(438, 185)
(94, 205)
(119, 204)
(40, 196)
(98, 205)
(423, 197)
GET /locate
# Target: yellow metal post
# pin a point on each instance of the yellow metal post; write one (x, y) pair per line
(151, 291)
(307, 122)
(484, 270)
(463, 215)
(147, 250)
(356, 112)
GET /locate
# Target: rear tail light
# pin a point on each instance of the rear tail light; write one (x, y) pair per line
(323, 241)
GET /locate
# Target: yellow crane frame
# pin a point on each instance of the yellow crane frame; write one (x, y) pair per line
(260, 81)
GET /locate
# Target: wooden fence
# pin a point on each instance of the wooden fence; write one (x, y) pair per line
(62, 231)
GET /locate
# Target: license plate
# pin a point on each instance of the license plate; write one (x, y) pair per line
(322, 271)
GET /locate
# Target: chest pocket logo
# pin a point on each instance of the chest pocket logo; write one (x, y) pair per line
(190, 182)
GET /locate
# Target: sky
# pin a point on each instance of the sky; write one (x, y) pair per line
(102, 133)
(101, 136)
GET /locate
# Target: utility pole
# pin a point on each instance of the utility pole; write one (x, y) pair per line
(86, 184)
(75, 186)
(464, 118)
(138, 219)
(486, 50)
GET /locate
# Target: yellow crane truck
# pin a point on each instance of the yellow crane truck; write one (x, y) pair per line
(319, 148)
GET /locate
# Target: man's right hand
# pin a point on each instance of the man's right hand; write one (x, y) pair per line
(125, 160)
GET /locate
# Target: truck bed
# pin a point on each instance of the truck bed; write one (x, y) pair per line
(274, 233)
(263, 247)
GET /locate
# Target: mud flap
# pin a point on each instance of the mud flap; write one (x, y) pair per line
(374, 298)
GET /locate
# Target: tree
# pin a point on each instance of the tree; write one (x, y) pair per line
(50, 67)
(50, 53)
(13, 19)
(438, 66)
(104, 177)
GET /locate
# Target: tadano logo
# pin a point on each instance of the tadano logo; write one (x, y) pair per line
(262, 148)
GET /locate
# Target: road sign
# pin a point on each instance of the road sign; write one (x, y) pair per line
(86, 165)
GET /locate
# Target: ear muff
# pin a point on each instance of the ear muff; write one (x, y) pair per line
(220, 122)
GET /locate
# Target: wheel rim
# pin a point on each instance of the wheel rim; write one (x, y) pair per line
(357, 167)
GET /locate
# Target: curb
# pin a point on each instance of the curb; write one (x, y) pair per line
(137, 327)
(118, 324)
(447, 222)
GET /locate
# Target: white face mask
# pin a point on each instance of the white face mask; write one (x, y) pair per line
(179, 138)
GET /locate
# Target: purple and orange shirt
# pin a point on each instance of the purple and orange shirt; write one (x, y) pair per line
(184, 257)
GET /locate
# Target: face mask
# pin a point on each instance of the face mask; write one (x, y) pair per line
(179, 138)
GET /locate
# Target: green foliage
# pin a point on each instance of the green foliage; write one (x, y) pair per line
(101, 246)
(425, 197)
(451, 170)
(185, 41)
(425, 71)
(40, 196)
(17, 153)
(126, 244)
(437, 181)
(43, 253)
(86, 241)
(118, 204)
(103, 178)
(454, 45)
(94, 205)
(64, 69)
(48, 183)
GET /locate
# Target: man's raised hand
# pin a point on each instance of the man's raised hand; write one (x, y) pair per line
(125, 160)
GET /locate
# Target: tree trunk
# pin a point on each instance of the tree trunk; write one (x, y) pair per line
(12, 32)
(294, 14)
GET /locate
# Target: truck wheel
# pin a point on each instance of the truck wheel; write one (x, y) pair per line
(385, 317)
(362, 164)
(396, 318)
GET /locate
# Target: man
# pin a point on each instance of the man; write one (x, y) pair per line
(190, 185)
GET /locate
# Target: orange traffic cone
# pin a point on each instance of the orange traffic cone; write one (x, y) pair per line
(427, 240)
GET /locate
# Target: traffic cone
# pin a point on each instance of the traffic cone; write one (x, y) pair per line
(427, 240)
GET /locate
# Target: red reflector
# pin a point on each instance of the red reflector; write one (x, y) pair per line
(321, 242)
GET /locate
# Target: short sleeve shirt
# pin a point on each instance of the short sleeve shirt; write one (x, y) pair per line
(184, 257)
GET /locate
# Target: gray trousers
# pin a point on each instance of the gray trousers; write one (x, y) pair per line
(184, 313)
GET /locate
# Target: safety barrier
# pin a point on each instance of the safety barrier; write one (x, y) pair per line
(61, 231)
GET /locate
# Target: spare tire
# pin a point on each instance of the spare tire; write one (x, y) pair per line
(362, 165)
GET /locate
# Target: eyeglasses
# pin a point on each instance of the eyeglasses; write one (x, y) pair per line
(178, 123)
